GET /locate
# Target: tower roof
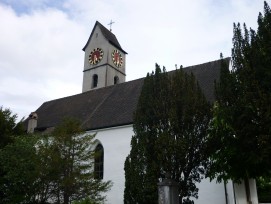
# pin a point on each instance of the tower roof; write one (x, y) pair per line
(107, 34)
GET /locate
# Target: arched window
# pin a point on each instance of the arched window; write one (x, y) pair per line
(116, 80)
(99, 162)
(94, 80)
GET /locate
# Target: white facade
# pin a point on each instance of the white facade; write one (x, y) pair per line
(241, 193)
(116, 144)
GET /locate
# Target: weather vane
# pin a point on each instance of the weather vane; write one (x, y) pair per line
(111, 22)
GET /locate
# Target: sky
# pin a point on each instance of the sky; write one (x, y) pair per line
(41, 41)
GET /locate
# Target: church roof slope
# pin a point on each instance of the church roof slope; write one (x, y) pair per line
(112, 39)
(99, 108)
(114, 105)
(207, 74)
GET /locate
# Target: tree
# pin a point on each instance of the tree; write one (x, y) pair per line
(240, 128)
(8, 126)
(8, 129)
(19, 163)
(71, 162)
(170, 125)
(54, 168)
(264, 189)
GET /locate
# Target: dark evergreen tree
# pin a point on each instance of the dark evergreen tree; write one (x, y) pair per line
(242, 115)
(170, 126)
(8, 130)
(19, 163)
(141, 166)
(8, 126)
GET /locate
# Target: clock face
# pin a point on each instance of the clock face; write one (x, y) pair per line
(96, 56)
(117, 58)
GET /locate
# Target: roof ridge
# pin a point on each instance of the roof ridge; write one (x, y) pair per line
(227, 58)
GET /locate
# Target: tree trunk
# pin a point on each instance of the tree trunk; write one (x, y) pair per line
(66, 198)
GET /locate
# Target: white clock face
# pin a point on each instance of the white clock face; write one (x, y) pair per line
(95, 56)
(117, 58)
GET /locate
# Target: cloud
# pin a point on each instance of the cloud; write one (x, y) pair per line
(38, 49)
(41, 42)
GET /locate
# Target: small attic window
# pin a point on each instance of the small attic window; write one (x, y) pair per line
(96, 35)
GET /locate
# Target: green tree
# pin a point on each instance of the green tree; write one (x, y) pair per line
(240, 127)
(71, 164)
(8, 126)
(19, 163)
(264, 189)
(55, 168)
(8, 129)
(170, 127)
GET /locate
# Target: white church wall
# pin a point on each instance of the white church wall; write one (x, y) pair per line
(230, 192)
(210, 192)
(240, 192)
(253, 191)
(116, 143)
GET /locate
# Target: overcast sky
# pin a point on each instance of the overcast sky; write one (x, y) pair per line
(41, 41)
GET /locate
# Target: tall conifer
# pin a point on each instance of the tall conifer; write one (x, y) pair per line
(170, 127)
(242, 115)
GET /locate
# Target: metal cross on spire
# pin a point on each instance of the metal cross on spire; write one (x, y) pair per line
(111, 22)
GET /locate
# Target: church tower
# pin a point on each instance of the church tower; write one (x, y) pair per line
(104, 63)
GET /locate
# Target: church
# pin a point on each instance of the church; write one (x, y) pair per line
(106, 106)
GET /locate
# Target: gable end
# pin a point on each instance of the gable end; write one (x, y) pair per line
(108, 35)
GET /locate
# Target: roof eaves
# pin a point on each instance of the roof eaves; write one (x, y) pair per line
(108, 126)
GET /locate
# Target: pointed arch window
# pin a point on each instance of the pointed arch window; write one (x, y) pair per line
(99, 162)
(94, 81)
(116, 80)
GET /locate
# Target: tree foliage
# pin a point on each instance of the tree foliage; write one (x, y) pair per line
(8, 129)
(241, 128)
(170, 127)
(264, 189)
(72, 160)
(54, 168)
(19, 161)
(8, 126)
